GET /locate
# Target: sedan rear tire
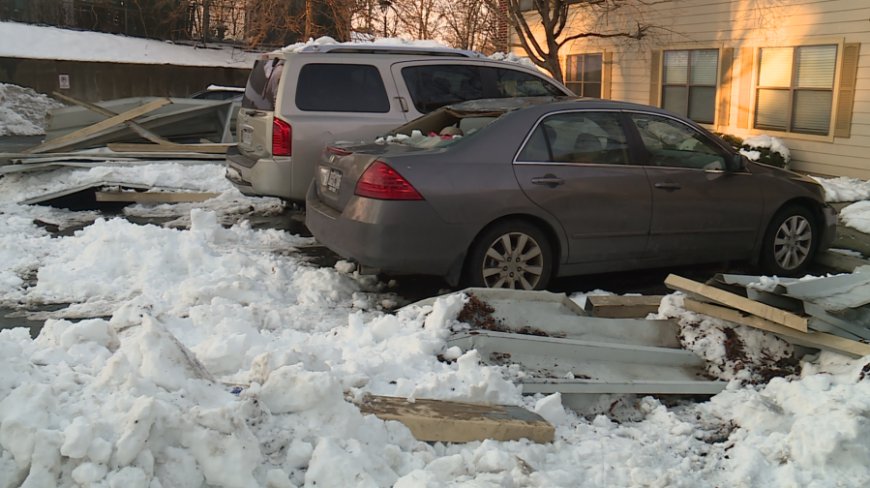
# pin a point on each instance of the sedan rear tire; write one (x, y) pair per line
(511, 254)
(790, 242)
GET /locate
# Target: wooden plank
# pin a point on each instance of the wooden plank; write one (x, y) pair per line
(152, 197)
(211, 148)
(138, 129)
(91, 130)
(818, 340)
(723, 297)
(621, 307)
(445, 421)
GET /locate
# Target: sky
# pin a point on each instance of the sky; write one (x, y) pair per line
(206, 352)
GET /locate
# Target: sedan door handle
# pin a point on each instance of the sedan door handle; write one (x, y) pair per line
(668, 186)
(550, 180)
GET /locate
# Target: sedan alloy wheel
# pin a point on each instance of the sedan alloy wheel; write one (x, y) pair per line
(793, 242)
(513, 255)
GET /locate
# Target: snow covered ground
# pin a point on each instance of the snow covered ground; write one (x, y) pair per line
(218, 356)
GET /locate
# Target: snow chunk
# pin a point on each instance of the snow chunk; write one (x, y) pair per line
(293, 389)
(857, 216)
(845, 189)
(23, 110)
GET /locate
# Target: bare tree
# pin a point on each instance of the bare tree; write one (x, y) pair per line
(469, 24)
(558, 22)
(420, 19)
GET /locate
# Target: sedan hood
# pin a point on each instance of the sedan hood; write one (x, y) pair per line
(799, 179)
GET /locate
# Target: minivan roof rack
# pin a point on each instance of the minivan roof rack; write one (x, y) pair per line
(387, 49)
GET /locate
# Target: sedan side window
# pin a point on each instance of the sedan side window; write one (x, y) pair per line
(578, 137)
(433, 86)
(675, 144)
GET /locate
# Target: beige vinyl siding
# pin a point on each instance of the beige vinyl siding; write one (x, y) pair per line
(745, 26)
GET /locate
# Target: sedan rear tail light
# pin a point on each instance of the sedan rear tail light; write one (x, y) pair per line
(282, 138)
(382, 182)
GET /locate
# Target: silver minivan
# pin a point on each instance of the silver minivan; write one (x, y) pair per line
(296, 102)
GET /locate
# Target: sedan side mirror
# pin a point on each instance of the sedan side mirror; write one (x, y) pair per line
(738, 163)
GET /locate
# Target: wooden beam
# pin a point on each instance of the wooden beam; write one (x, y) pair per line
(445, 421)
(152, 197)
(729, 299)
(138, 129)
(623, 307)
(89, 131)
(817, 340)
(210, 148)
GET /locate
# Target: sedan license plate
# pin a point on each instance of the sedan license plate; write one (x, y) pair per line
(330, 180)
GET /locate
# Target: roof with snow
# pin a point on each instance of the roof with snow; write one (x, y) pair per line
(40, 42)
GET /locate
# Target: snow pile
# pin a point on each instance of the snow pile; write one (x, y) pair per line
(400, 42)
(168, 176)
(513, 58)
(22, 110)
(774, 144)
(857, 216)
(41, 42)
(845, 189)
(378, 41)
(732, 352)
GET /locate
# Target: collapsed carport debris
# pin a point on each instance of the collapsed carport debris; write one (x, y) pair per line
(833, 311)
(114, 131)
(447, 421)
(561, 349)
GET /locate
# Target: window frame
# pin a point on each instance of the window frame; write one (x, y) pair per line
(618, 113)
(835, 89)
(688, 85)
(582, 82)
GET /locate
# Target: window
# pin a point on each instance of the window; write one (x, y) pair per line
(433, 86)
(689, 83)
(675, 144)
(341, 88)
(262, 87)
(510, 83)
(578, 137)
(583, 74)
(795, 91)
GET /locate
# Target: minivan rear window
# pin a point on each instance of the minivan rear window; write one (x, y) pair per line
(262, 87)
(341, 88)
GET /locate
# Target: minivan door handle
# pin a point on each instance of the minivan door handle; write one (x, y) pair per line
(549, 180)
(668, 186)
(402, 103)
(254, 113)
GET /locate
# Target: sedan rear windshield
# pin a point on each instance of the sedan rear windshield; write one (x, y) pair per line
(262, 87)
(440, 128)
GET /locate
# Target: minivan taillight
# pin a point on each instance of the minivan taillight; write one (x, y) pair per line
(282, 138)
(382, 182)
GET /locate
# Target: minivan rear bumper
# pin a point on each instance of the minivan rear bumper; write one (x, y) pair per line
(258, 177)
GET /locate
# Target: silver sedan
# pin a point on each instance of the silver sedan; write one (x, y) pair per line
(512, 192)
